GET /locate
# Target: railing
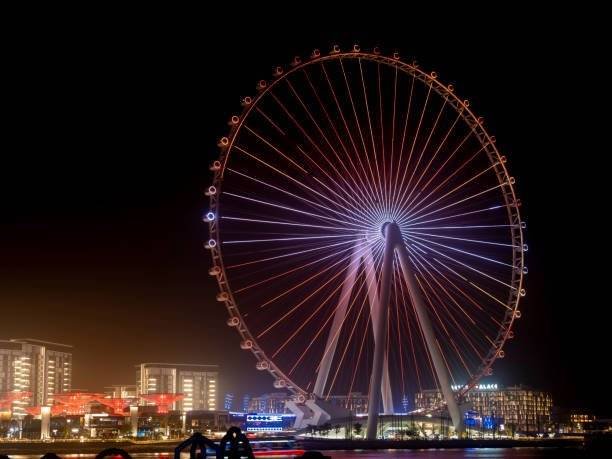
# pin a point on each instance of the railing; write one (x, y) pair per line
(239, 445)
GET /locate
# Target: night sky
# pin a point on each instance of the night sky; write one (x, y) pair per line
(111, 127)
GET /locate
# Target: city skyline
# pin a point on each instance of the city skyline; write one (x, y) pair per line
(105, 250)
(120, 388)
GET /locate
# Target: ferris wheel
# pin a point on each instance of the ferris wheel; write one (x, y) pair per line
(365, 232)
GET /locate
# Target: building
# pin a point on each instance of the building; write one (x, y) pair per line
(355, 402)
(198, 384)
(268, 423)
(519, 408)
(129, 391)
(273, 403)
(572, 421)
(246, 401)
(38, 368)
(205, 421)
(228, 403)
(580, 420)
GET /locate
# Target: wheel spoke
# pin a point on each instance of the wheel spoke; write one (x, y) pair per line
(362, 218)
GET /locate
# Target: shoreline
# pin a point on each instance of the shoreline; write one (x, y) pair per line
(327, 445)
(168, 446)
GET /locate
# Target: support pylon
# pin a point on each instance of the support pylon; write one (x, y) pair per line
(395, 243)
(359, 256)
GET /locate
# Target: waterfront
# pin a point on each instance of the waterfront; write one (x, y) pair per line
(492, 453)
(570, 448)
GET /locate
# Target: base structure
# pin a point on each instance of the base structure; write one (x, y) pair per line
(315, 412)
(378, 298)
(394, 243)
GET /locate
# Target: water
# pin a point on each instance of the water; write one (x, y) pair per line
(481, 453)
(477, 453)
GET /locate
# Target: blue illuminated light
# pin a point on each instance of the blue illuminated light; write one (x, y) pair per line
(488, 422)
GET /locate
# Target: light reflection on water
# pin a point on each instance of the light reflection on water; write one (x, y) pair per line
(477, 453)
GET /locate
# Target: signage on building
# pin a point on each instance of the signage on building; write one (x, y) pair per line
(478, 387)
(264, 423)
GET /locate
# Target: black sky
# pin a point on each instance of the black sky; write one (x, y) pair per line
(111, 125)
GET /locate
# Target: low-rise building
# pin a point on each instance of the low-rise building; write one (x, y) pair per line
(197, 383)
(273, 403)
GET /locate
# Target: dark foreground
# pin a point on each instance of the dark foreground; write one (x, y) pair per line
(477, 453)
(343, 449)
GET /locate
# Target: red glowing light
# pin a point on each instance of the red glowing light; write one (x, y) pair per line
(162, 400)
(7, 398)
(117, 404)
(76, 403)
(280, 452)
(56, 410)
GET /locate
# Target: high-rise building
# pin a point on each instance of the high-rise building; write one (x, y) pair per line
(228, 403)
(246, 400)
(40, 368)
(198, 383)
(519, 408)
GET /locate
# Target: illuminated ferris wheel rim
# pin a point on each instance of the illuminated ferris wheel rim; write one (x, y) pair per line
(512, 204)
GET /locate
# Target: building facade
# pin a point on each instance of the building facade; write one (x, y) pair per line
(572, 420)
(246, 401)
(273, 403)
(129, 391)
(198, 384)
(355, 402)
(519, 408)
(228, 402)
(202, 421)
(38, 368)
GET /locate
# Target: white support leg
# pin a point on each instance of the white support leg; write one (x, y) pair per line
(379, 311)
(134, 420)
(45, 422)
(300, 413)
(380, 335)
(319, 415)
(387, 394)
(334, 332)
(430, 339)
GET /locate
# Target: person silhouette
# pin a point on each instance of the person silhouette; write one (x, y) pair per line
(239, 445)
